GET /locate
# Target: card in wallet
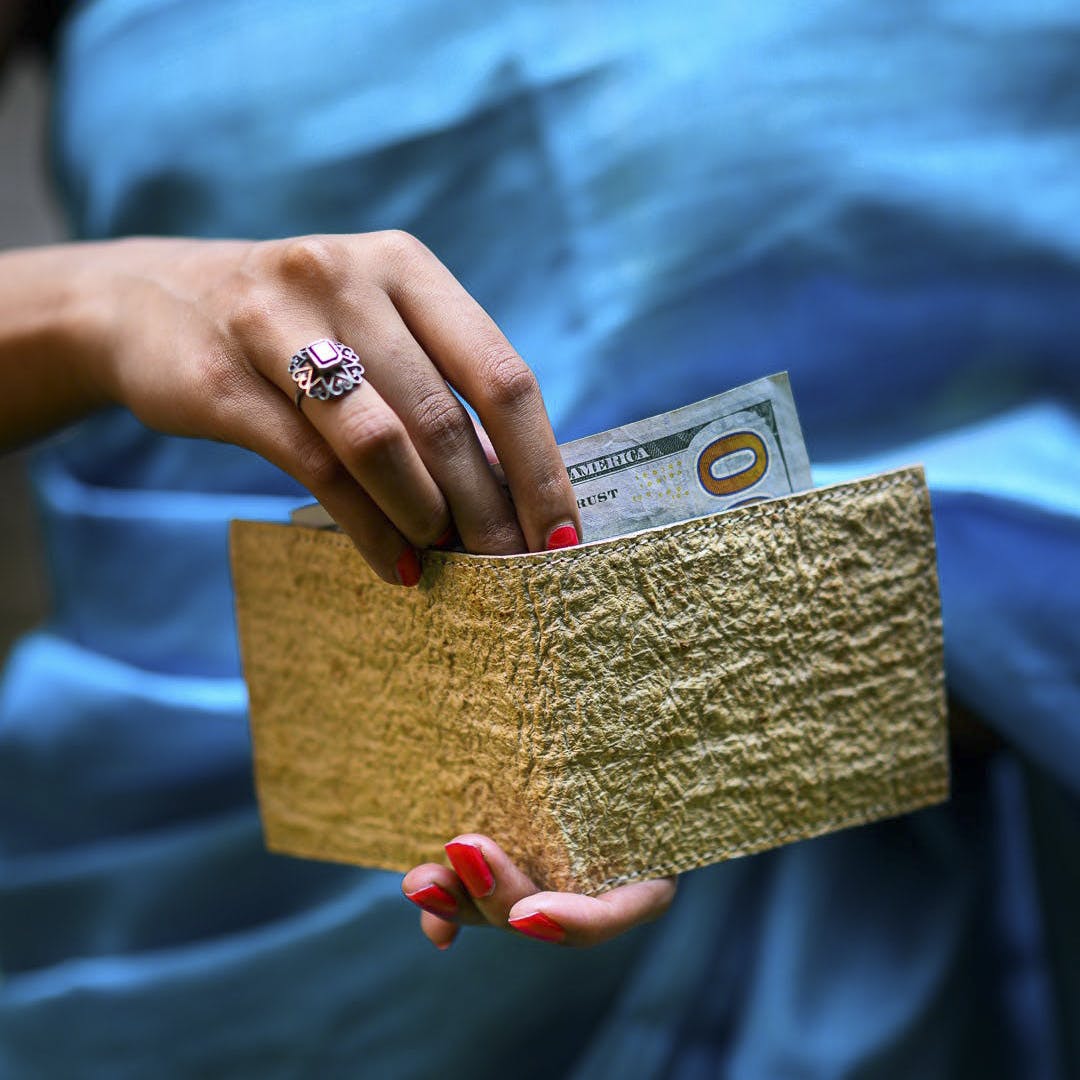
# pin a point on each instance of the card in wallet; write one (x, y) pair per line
(609, 713)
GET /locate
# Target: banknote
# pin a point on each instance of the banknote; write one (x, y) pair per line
(736, 448)
(729, 450)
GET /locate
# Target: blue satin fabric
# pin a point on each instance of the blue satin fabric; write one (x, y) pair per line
(656, 204)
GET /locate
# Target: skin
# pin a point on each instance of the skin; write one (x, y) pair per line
(586, 920)
(194, 336)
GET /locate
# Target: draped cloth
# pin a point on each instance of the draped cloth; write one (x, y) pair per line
(655, 205)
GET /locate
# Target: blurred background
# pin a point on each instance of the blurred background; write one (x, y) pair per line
(27, 216)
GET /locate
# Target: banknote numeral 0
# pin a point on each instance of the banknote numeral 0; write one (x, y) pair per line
(738, 442)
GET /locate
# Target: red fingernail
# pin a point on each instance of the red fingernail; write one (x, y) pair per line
(433, 898)
(468, 860)
(539, 926)
(563, 537)
(408, 568)
(447, 538)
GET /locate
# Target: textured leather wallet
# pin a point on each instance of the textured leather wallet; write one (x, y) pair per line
(619, 711)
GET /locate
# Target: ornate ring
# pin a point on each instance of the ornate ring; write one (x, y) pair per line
(325, 369)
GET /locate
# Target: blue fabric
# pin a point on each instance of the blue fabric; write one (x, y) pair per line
(656, 203)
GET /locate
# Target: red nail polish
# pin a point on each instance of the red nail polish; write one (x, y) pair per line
(563, 537)
(446, 539)
(434, 898)
(408, 568)
(469, 863)
(539, 926)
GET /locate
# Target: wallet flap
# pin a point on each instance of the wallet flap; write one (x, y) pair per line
(623, 710)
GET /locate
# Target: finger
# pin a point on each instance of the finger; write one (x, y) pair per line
(374, 446)
(492, 880)
(440, 933)
(438, 890)
(258, 417)
(438, 424)
(475, 358)
(574, 919)
(366, 434)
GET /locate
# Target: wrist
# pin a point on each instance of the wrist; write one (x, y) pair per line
(52, 328)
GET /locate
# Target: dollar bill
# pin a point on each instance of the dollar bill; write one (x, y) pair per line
(729, 450)
(726, 451)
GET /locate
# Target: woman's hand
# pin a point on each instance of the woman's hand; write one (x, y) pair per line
(195, 338)
(486, 888)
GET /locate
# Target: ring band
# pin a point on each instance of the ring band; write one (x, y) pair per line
(325, 369)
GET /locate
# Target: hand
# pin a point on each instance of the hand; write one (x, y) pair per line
(486, 888)
(195, 338)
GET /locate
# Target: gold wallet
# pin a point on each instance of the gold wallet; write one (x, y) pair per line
(609, 713)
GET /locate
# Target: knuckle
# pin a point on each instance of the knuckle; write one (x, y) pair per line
(440, 419)
(497, 537)
(310, 261)
(318, 468)
(250, 317)
(372, 436)
(397, 258)
(435, 526)
(553, 487)
(400, 248)
(508, 381)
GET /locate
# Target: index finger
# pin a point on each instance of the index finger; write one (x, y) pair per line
(474, 356)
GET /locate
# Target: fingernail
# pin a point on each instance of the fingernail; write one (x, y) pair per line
(539, 926)
(444, 945)
(433, 898)
(563, 537)
(408, 568)
(447, 538)
(469, 863)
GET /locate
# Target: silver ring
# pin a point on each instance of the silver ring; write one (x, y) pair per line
(325, 369)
